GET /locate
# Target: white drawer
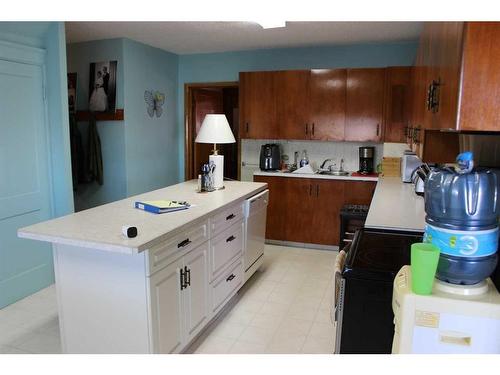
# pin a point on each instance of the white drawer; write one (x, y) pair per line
(225, 247)
(168, 251)
(225, 219)
(226, 286)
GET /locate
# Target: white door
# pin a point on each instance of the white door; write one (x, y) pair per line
(25, 266)
(167, 309)
(196, 294)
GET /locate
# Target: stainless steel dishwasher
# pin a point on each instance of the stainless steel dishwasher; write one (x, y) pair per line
(255, 232)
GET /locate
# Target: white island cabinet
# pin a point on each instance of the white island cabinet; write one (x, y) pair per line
(154, 293)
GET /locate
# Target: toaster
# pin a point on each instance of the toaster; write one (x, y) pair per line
(409, 162)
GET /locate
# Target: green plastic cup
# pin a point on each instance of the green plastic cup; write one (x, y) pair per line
(424, 261)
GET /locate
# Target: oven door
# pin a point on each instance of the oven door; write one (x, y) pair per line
(337, 297)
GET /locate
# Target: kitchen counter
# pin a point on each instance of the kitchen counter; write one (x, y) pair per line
(395, 206)
(315, 175)
(100, 227)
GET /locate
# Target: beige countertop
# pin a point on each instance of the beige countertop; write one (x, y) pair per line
(315, 175)
(395, 206)
(100, 227)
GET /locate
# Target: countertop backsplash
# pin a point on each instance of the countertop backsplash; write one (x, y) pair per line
(317, 152)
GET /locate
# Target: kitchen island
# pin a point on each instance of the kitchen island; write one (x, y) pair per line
(156, 292)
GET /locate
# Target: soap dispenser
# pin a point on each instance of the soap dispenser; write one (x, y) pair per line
(305, 160)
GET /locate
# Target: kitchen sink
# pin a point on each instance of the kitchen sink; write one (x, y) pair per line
(334, 173)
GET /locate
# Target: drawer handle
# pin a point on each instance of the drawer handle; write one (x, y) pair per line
(183, 243)
(231, 238)
(230, 217)
(349, 233)
(230, 277)
(346, 240)
(187, 273)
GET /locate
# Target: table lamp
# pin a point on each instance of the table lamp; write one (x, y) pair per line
(215, 129)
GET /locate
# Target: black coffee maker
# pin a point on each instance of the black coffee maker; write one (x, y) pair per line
(366, 156)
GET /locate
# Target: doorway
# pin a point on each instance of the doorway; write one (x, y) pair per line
(202, 99)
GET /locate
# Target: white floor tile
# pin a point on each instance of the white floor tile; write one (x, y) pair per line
(283, 308)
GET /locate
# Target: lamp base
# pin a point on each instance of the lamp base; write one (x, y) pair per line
(218, 160)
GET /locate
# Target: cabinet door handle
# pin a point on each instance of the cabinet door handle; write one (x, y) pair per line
(247, 127)
(230, 217)
(313, 129)
(183, 243)
(231, 238)
(230, 277)
(306, 129)
(183, 280)
(378, 129)
(317, 191)
(187, 273)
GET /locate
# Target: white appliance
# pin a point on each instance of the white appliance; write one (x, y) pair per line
(255, 232)
(409, 162)
(454, 319)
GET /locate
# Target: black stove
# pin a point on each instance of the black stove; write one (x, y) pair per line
(365, 317)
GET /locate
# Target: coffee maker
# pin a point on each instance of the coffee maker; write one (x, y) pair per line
(366, 156)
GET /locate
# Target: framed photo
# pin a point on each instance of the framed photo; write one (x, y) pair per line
(102, 89)
(72, 92)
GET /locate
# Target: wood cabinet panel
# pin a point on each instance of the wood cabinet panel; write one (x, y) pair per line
(299, 209)
(364, 104)
(292, 104)
(307, 210)
(397, 103)
(258, 106)
(277, 207)
(327, 98)
(325, 221)
(359, 192)
(480, 100)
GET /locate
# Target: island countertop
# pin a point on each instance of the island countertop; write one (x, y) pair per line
(101, 227)
(395, 206)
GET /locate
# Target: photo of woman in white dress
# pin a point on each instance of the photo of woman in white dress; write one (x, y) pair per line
(98, 99)
(102, 86)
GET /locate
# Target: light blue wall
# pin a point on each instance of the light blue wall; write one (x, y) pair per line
(26, 266)
(225, 66)
(57, 98)
(151, 143)
(112, 133)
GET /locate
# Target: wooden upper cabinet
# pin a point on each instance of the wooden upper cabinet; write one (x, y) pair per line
(480, 96)
(397, 103)
(258, 106)
(327, 95)
(364, 104)
(461, 76)
(292, 103)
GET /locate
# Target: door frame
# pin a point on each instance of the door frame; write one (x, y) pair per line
(188, 122)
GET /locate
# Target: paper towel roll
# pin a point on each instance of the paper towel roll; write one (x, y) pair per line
(219, 170)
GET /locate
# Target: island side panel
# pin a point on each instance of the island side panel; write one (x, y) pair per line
(102, 301)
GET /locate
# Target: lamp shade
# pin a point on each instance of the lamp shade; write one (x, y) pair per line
(215, 129)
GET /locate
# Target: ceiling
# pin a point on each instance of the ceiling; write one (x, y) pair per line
(205, 37)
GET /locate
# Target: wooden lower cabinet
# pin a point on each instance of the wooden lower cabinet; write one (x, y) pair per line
(307, 210)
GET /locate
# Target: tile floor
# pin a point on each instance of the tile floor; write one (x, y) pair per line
(283, 308)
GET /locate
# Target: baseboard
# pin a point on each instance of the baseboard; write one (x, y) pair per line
(26, 283)
(303, 245)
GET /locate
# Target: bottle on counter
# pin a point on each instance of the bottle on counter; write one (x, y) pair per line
(305, 160)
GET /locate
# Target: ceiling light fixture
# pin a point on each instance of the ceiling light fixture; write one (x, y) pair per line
(272, 24)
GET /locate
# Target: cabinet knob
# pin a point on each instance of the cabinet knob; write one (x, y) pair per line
(230, 277)
(230, 238)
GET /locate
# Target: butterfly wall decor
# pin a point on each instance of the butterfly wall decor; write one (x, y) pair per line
(154, 100)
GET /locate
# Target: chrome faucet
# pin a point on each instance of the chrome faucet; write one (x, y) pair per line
(324, 163)
(341, 165)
